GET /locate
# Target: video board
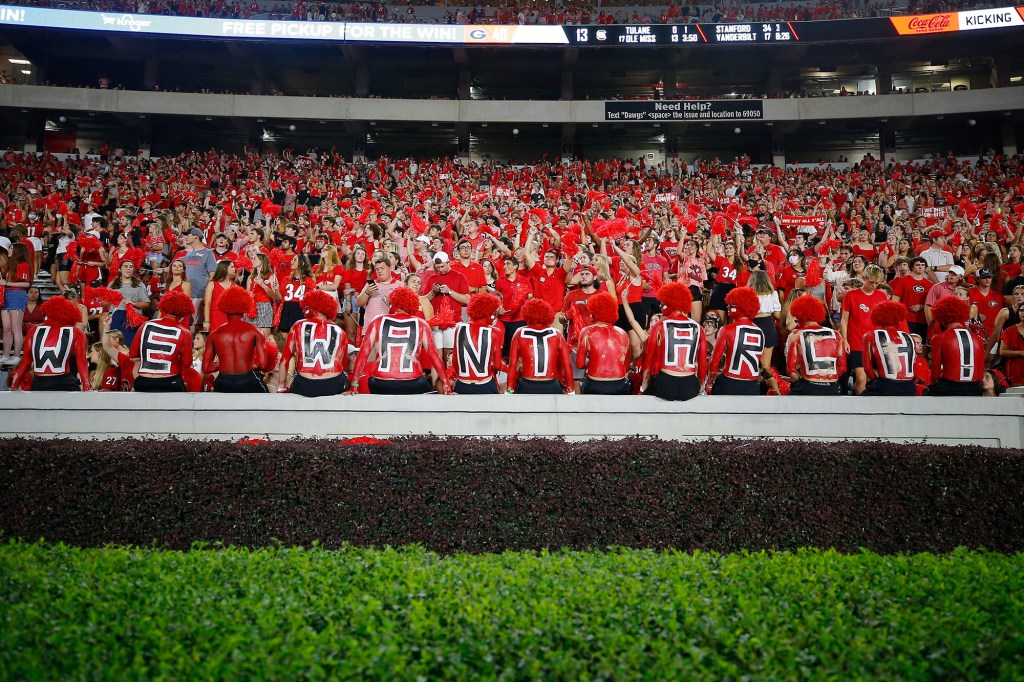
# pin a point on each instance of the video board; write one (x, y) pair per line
(624, 35)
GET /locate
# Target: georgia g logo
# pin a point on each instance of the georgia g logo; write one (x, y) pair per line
(864, 308)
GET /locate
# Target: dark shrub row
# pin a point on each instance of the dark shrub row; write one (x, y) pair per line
(492, 495)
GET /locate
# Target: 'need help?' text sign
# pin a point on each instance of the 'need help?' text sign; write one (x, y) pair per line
(686, 110)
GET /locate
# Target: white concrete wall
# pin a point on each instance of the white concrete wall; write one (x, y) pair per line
(996, 422)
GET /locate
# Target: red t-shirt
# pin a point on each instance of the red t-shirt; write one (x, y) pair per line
(550, 288)
(912, 292)
(988, 307)
(859, 306)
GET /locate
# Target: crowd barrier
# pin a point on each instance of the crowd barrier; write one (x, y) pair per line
(995, 422)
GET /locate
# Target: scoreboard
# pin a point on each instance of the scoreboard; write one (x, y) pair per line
(682, 34)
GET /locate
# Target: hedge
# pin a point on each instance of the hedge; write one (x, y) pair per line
(493, 495)
(126, 614)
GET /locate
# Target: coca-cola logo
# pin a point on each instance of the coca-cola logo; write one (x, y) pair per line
(935, 22)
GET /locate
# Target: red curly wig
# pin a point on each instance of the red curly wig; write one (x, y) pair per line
(539, 313)
(60, 312)
(676, 297)
(951, 310)
(807, 308)
(176, 303)
(318, 302)
(742, 302)
(888, 314)
(603, 308)
(235, 301)
(404, 300)
(482, 306)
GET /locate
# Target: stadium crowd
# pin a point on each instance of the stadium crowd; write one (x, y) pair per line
(510, 12)
(316, 275)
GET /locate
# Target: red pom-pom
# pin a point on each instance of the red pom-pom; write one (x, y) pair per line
(110, 297)
(824, 192)
(318, 302)
(482, 306)
(133, 317)
(621, 213)
(444, 318)
(612, 229)
(177, 304)
(742, 302)
(89, 243)
(807, 308)
(235, 301)
(718, 224)
(404, 299)
(243, 263)
(676, 297)
(951, 310)
(273, 355)
(538, 313)
(888, 314)
(814, 274)
(603, 308)
(60, 312)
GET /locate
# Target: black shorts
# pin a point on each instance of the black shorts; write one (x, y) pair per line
(510, 331)
(486, 388)
(770, 329)
(596, 387)
(671, 387)
(855, 360)
(639, 314)
(399, 386)
(315, 388)
(890, 387)
(728, 386)
(698, 296)
(60, 382)
(718, 295)
(652, 306)
(164, 385)
(547, 387)
(945, 387)
(804, 387)
(246, 382)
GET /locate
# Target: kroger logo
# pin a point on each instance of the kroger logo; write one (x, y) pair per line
(128, 20)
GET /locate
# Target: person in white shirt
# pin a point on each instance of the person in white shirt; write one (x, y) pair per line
(939, 260)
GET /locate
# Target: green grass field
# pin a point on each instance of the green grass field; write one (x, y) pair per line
(286, 614)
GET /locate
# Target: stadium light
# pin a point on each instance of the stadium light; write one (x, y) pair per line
(19, 61)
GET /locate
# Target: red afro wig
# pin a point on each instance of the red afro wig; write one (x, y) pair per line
(950, 310)
(404, 300)
(60, 312)
(807, 308)
(482, 306)
(318, 302)
(742, 302)
(676, 297)
(888, 314)
(235, 301)
(176, 303)
(538, 313)
(603, 308)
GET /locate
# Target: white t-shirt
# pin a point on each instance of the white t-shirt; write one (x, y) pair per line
(937, 257)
